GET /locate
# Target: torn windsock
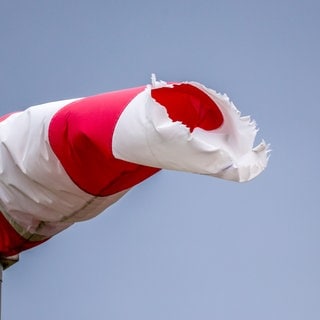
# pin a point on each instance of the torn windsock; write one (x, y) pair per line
(66, 161)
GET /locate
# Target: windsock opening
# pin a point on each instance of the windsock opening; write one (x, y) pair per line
(188, 104)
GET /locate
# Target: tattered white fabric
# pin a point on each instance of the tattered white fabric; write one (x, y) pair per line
(157, 141)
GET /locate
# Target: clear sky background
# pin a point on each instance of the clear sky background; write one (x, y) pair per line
(178, 246)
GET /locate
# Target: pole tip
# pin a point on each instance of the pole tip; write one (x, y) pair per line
(7, 262)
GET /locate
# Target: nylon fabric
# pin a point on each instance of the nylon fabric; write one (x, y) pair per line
(67, 161)
(80, 135)
(190, 105)
(11, 242)
(189, 133)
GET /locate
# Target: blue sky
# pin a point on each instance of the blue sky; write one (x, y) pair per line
(178, 246)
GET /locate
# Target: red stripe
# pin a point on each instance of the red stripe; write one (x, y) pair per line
(11, 242)
(80, 135)
(190, 105)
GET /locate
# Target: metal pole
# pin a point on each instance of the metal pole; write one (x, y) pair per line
(5, 262)
(1, 271)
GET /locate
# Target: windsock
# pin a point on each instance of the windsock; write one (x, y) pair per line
(67, 161)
